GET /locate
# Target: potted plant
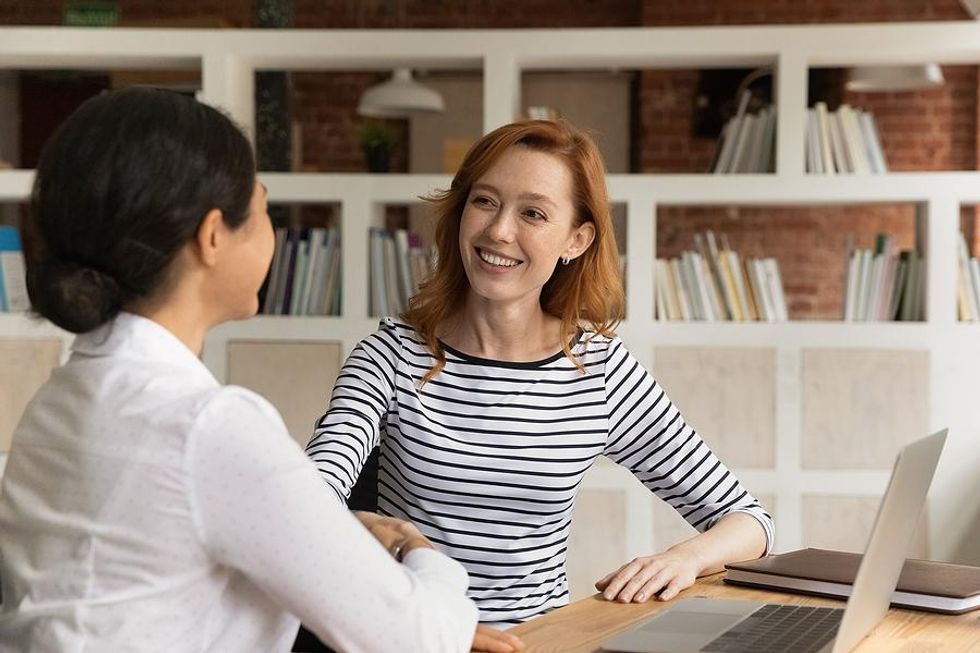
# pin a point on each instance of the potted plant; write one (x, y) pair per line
(376, 139)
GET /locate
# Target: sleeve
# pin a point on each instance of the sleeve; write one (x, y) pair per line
(648, 436)
(261, 509)
(345, 436)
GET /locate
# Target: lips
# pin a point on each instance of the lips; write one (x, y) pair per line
(497, 260)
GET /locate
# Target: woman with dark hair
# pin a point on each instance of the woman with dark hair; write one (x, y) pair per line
(505, 381)
(145, 506)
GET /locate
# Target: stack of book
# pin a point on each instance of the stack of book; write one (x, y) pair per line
(747, 141)
(13, 285)
(884, 285)
(713, 284)
(968, 286)
(399, 263)
(842, 142)
(305, 275)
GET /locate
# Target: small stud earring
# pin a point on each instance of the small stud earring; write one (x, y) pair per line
(565, 260)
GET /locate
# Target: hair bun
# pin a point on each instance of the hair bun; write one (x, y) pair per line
(75, 297)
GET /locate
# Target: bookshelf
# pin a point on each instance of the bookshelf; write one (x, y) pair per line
(228, 60)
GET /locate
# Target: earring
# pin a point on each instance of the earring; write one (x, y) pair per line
(565, 260)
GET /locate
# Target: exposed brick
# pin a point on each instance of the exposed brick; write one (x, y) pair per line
(933, 130)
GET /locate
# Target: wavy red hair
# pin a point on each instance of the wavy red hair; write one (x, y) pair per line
(588, 291)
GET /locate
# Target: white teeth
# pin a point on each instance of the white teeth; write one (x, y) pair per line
(498, 261)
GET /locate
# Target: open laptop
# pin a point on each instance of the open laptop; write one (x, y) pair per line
(733, 626)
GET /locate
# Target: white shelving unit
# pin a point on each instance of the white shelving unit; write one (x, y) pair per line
(229, 58)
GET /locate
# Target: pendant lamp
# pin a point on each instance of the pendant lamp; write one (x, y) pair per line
(399, 97)
(894, 78)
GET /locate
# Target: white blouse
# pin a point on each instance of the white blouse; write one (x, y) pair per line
(146, 507)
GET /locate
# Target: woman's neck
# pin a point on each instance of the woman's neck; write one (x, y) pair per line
(509, 333)
(182, 313)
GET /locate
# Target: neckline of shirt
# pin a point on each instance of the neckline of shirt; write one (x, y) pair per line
(135, 336)
(517, 365)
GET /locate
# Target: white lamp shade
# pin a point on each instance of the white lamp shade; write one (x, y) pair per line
(399, 97)
(894, 78)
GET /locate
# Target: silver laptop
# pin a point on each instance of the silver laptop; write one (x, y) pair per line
(731, 626)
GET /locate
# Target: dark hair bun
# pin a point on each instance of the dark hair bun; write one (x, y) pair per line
(74, 297)
(120, 189)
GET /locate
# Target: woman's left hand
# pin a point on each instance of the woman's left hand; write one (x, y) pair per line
(665, 573)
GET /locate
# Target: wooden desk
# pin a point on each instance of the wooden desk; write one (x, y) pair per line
(583, 625)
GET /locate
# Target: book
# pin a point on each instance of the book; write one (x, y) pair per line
(743, 144)
(841, 160)
(683, 298)
(853, 142)
(735, 268)
(284, 295)
(775, 288)
(823, 129)
(13, 280)
(378, 298)
(275, 273)
(768, 163)
(870, 132)
(390, 268)
(923, 584)
(402, 250)
(299, 273)
(733, 130)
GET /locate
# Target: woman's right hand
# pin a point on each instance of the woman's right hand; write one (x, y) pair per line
(391, 530)
(491, 640)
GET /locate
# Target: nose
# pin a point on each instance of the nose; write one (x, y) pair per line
(501, 227)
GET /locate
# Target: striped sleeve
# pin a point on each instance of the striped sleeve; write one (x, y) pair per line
(648, 436)
(348, 432)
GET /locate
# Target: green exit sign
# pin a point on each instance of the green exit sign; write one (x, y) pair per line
(91, 14)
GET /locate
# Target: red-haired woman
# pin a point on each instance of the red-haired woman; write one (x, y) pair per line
(504, 381)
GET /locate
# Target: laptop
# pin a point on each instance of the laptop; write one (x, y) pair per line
(732, 626)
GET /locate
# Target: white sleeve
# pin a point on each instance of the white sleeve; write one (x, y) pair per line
(262, 508)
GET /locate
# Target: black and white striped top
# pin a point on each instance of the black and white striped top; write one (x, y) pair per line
(486, 458)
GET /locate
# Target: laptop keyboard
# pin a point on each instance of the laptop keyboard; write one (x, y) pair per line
(779, 628)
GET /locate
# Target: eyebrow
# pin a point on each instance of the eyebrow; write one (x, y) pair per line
(537, 197)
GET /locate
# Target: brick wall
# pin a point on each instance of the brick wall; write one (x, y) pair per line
(233, 13)
(933, 130)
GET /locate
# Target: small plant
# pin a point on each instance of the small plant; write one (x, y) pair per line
(376, 139)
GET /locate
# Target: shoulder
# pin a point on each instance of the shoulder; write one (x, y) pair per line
(394, 340)
(239, 410)
(594, 345)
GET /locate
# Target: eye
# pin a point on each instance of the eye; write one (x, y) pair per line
(482, 201)
(534, 214)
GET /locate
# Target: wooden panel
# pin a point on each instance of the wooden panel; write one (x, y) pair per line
(845, 522)
(861, 406)
(574, 93)
(728, 395)
(596, 545)
(26, 365)
(296, 377)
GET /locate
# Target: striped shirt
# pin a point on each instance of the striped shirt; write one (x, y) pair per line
(486, 458)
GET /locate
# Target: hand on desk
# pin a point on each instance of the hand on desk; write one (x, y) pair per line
(642, 578)
(490, 640)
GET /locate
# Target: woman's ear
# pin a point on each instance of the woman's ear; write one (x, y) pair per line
(209, 237)
(582, 237)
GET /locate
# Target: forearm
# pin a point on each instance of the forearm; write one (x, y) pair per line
(733, 538)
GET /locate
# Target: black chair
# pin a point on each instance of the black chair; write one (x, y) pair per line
(363, 496)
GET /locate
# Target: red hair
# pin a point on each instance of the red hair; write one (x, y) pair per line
(589, 290)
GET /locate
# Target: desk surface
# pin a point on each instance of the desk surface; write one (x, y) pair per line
(583, 625)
